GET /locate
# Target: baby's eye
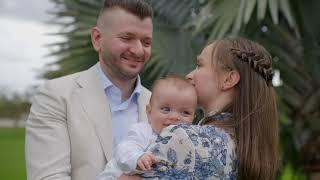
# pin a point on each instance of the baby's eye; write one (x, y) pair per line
(165, 109)
(186, 113)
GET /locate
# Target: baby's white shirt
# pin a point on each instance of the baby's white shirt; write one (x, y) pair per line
(127, 153)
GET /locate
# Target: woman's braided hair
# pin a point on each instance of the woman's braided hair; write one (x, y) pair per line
(253, 107)
(256, 62)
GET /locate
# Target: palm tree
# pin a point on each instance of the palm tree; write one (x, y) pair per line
(174, 48)
(289, 29)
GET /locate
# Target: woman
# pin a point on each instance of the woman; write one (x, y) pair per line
(238, 137)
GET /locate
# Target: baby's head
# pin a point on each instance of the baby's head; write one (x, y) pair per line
(173, 101)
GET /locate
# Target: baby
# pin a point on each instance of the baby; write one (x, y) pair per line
(173, 101)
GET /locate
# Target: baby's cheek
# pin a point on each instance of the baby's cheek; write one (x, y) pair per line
(188, 120)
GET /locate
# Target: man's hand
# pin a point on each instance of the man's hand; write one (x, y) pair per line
(146, 161)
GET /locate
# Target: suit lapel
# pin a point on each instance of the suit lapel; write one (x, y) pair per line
(95, 104)
(142, 102)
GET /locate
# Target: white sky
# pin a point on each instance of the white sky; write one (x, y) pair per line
(23, 36)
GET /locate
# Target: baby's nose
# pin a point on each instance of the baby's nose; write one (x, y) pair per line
(174, 116)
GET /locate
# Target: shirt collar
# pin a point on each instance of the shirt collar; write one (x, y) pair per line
(106, 83)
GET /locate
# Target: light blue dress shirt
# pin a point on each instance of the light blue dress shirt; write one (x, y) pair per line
(125, 113)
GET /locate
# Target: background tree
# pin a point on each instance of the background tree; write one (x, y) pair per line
(14, 107)
(173, 48)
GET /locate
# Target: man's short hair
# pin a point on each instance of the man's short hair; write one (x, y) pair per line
(140, 8)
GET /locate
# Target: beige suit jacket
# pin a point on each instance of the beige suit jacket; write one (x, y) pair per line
(68, 131)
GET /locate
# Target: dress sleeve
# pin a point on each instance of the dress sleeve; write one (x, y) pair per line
(187, 151)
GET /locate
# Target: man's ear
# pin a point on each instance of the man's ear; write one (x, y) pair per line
(96, 38)
(232, 78)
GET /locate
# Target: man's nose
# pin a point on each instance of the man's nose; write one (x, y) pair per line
(137, 49)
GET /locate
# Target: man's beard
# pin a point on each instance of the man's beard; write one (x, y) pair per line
(116, 70)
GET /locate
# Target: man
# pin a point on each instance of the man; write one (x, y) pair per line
(76, 120)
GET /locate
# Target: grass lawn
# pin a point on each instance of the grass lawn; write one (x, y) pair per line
(12, 161)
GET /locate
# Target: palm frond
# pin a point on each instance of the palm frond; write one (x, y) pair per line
(173, 49)
(226, 17)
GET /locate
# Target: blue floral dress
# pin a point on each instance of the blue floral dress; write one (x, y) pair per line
(193, 152)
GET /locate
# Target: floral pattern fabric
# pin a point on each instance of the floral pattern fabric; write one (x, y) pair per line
(193, 152)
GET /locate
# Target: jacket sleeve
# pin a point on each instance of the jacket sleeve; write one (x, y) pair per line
(47, 144)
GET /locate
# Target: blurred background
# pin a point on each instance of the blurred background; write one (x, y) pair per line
(49, 38)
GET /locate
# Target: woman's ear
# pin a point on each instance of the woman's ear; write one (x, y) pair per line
(148, 111)
(96, 38)
(231, 79)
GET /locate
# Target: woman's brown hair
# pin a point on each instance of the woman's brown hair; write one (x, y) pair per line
(254, 106)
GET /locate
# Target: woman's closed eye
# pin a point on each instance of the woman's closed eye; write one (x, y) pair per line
(199, 63)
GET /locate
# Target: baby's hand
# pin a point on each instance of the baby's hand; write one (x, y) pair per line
(146, 161)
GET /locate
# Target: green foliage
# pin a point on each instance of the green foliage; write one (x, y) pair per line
(13, 107)
(289, 173)
(174, 49)
(297, 57)
(75, 53)
(219, 18)
(172, 53)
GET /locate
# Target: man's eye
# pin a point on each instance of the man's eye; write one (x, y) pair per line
(125, 38)
(146, 43)
(165, 109)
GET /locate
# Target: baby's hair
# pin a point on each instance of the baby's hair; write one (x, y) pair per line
(177, 81)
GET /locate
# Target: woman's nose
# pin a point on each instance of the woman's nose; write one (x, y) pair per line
(189, 76)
